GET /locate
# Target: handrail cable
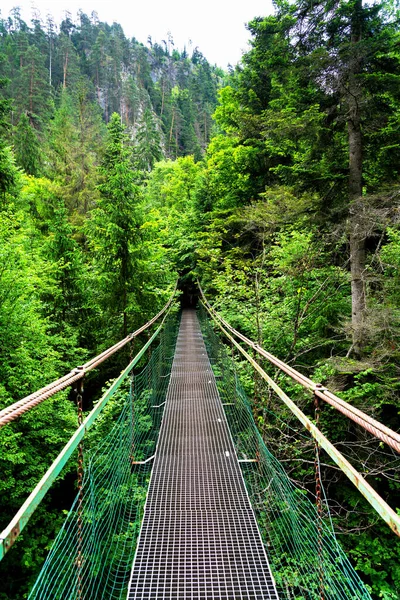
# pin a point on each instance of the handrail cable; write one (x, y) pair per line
(12, 412)
(20, 520)
(377, 429)
(377, 502)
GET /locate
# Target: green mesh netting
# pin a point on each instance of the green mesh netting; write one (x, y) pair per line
(92, 557)
(305, 557)
(307, 564)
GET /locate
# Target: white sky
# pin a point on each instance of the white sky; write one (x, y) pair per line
(217, 27)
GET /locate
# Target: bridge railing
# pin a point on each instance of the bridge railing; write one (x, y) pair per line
(377, 429)
(305, 558)
(92, 554)
(380, 431)
(10, 534)
(13, 411)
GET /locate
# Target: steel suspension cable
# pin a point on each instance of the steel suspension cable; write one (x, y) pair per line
(374, 427)
(12, 412)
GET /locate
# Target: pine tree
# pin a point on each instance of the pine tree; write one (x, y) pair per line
(67, 62)
(32, 90)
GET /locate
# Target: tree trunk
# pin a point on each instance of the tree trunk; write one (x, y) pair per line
(65, 70)
(357, 233)
(31, 85)
(171, 131)
(358, 302)
(357, 236)
(162, 98)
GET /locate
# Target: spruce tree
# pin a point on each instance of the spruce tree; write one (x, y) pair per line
(8, 171)
(32, 90)
(27, 147)
(148, 142)
(114, 228)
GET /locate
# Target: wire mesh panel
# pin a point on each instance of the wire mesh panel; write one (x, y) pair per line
(199, 537)
(92, 556)
(305, 557)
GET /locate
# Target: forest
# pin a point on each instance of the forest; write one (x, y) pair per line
(125, 166)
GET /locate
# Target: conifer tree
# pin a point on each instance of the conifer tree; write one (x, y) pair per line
(32, 90)
(27, 147)
(67, 65)
(349, 48)
(316, 100)
(8, 171)
(148, 142)
(73, 148)
(114, 228)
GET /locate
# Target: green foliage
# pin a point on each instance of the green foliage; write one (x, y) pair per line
(31, 90)
(93, 236)
(170, 200)
(32, 353)
(27, 147)
(9, 174)
(148, 142)
(23, 329)
(4, 103)
(74, 142)
(114, 226)
(375, 555)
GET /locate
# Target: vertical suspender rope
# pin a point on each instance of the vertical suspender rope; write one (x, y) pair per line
(132, 398)
(318, 500)
(79, 556)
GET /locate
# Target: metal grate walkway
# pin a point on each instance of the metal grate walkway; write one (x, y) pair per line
(199, 537)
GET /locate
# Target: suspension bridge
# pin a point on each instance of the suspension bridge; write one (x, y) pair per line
(178, 495)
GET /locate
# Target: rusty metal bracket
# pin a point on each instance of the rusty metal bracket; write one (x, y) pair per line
(142, 462)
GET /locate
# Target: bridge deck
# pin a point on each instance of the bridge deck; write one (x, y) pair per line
(199, 537)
